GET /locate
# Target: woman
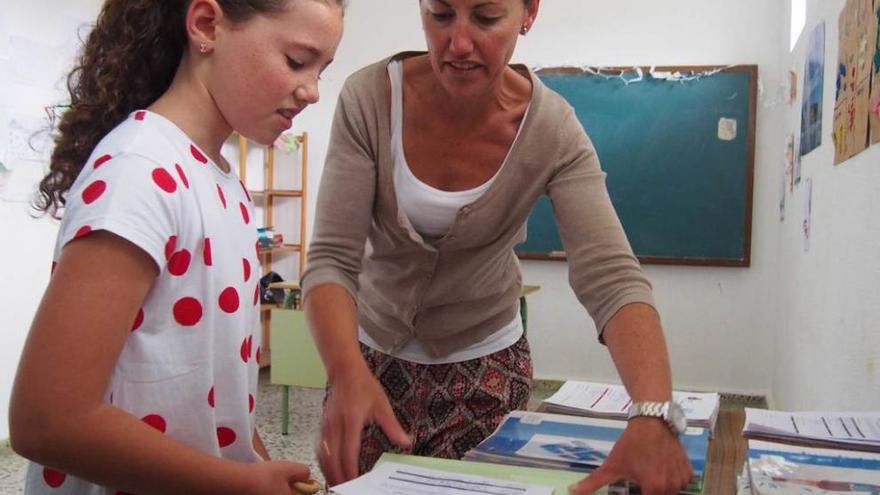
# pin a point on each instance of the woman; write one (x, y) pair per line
(412, 284)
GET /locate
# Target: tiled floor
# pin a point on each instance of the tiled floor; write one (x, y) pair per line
(305, 409)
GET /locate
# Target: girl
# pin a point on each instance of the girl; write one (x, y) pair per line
(140, 371)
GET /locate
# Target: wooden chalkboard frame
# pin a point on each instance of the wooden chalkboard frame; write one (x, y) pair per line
(752, 71)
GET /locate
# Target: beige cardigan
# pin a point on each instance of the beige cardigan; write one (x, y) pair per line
(457, 290)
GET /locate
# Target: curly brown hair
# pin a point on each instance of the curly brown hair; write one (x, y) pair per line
(127, 62)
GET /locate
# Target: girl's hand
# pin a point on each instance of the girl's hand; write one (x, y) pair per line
(276, 477)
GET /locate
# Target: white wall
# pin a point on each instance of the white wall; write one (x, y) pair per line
(26, 244)
(828, 345)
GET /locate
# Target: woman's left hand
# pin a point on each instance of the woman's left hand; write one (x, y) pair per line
(647, 454)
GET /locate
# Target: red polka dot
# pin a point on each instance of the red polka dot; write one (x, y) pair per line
(244, 213)
(187, 311)
(53, 478)
(246, 266)
(93, 191)
(182, 175)
(225, 436)
(250, 403)
(229, 300)
(102, 160)
(54, 265)
(211, 397)
(170, 245)
(156, 421)
(222, 196)
(164, 180)
(140, 114)
(83, 231)
(197, 154)
(246, 192)
(179, 262)
(138, 320)
(246, 348)
(258, 354)
(256, 294)
(206, 254)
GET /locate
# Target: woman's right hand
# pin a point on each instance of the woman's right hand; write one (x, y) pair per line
(355, 399)
(276, 477)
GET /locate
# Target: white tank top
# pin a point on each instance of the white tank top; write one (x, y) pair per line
(431, 212)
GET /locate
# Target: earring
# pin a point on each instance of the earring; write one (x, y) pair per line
(524, 30)
(203, 47)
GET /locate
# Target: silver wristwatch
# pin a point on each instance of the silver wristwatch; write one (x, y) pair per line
(670, 412)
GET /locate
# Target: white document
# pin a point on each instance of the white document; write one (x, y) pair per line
(830, 426)
(392, 478)
(613, 400)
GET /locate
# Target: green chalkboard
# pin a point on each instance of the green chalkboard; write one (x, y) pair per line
(681, 185)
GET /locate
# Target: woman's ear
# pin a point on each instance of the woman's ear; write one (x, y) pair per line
(202, 19)
(531, 14)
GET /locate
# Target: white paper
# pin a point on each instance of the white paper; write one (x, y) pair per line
(808, 214)
(613, 400)
(37, 64)
(829, 426)
(726, 129)
(392, 478)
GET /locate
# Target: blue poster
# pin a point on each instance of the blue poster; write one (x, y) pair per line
(811, 107)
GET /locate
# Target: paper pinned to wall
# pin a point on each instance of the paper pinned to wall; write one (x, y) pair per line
(726, 129)
(46, 73)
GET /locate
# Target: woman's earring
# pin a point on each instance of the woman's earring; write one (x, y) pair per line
(203, 47)
(524, 30)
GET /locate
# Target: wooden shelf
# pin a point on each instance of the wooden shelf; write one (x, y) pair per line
(285, 248)
(285, 285)
(289, 193)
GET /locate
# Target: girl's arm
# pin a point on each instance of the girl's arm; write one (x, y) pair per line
(58, 417)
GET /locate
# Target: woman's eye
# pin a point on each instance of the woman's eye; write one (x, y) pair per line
(488, 21)
(441, 16)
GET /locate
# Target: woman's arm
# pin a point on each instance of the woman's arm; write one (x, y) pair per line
(58, 417)
(647, 453)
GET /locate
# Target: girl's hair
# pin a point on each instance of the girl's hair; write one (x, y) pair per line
(128, 60)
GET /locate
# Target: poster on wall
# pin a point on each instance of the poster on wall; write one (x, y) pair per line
(875, 89)
(858, 34)
(811, 106)
(807, 213)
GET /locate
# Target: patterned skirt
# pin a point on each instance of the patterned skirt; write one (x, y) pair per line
(447, 408)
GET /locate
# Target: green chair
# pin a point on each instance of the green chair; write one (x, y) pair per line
(295, 360)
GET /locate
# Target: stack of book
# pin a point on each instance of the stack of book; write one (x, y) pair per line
(602, 400)
(571, 443)
(812, 452)
(782, 469)
(853, 431)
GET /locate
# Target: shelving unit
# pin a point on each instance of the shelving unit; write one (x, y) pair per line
(278, 192)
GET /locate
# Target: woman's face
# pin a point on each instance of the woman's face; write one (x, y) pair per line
(470, 42)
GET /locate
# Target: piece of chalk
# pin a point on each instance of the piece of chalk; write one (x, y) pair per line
(306, 488)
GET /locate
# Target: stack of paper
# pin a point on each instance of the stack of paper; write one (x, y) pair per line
(570, 442)
(854, 431)
(780, 469)
(392, 479)
(602, 400)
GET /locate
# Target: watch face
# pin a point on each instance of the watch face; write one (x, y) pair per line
(676, 418)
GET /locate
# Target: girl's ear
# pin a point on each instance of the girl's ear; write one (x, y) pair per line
(202, 20)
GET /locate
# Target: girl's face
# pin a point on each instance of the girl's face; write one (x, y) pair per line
(265, 70)
(470, 42)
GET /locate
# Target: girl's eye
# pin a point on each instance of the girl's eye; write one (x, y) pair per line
(295, 65)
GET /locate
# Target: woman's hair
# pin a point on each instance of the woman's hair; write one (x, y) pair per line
(127, 62)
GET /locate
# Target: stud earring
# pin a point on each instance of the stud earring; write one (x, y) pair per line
(203, 47)
(524, 30)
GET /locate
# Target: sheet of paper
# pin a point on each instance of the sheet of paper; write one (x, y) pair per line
(835, 426)
(399, 479)
(613, 399)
